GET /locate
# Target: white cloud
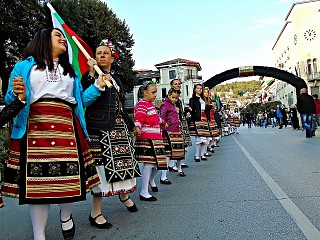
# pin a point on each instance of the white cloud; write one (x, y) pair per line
(266, 22)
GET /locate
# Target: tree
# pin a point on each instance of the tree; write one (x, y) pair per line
(93, 21)
(19, 21)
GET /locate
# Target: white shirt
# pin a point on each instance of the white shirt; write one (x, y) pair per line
(46, 85)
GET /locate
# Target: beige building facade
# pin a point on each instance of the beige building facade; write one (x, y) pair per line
(296, 49)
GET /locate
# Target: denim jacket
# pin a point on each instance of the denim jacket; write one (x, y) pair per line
(23, 69)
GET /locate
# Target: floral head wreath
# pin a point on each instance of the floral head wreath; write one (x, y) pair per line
(108, 43)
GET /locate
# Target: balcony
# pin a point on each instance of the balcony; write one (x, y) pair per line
(313, 77)
(192, 77)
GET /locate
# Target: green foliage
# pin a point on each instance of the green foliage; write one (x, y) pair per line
(19, 21)
(239, 88)
(254, 108)
(93, 21)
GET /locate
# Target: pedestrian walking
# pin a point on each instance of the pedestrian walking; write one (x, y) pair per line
(49, 160)
(109, 128)
(307, 108)
(317, 102)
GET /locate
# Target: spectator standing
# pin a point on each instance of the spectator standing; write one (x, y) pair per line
(306, 107)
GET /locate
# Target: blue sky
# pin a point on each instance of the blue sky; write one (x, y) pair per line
(218, 34)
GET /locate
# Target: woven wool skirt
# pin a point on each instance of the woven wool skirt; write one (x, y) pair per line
(151, 151)
(174, 145)
(52, 163)
(200, 128)
(184, 128)
(115, 160)
(236, 122)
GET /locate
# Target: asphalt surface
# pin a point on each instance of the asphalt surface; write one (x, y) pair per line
(260, 184)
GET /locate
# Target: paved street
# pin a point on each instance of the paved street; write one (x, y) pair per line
(259, 184)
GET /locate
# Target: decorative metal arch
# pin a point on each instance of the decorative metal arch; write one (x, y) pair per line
(282, 75)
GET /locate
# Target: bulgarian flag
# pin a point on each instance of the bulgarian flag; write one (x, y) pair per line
(76, 57)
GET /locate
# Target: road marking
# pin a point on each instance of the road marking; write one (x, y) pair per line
(308, 229)
(257, 132)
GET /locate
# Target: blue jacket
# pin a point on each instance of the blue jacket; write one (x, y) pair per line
(22, 69)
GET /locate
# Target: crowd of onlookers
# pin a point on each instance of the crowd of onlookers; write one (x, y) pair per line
(283, 116)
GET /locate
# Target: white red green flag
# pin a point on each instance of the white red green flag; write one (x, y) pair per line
(76, 57)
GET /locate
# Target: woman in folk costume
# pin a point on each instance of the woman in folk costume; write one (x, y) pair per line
(49, 160)
(213, 127)
(10, 111)
(172, 135)
(236, 120)
(199, 124)
(149, 147)
(176, 84)
(110, 142)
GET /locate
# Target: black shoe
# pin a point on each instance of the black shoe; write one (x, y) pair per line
(132, 208)
(181, 174)
(203, 158)
(154, 189)
(171, 169)
(207, 155)
(184, 166)
(197, 159)
(149, 199)
(211, 150)
(68, 234)
(166, 181)
(93, 222)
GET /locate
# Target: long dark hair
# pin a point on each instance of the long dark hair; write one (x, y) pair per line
(40, 48)
(194, 91)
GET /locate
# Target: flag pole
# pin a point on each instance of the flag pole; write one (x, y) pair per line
(86, 54)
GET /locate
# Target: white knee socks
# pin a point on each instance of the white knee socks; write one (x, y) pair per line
(204, 149)
(145, 178)
(197, 150)
(164, 172)
(179, 164)
(65, 213)
(39, 217)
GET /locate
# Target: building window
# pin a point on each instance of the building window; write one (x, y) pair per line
(297, 69)
(312, 69)
(172, 74)
(315, 68)
(163, 93)
(309, 68)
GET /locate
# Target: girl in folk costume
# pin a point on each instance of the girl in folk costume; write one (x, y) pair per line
(236, 120)
(213, 127)
(172, 135)
(176, 84)
(110, 142)
(199, 124)
(10, 111)
(49, 160)
(149, 147)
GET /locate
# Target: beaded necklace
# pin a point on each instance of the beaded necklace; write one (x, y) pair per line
(55, 74)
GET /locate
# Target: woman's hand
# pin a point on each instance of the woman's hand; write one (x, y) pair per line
(137, 131)
(19, 88)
